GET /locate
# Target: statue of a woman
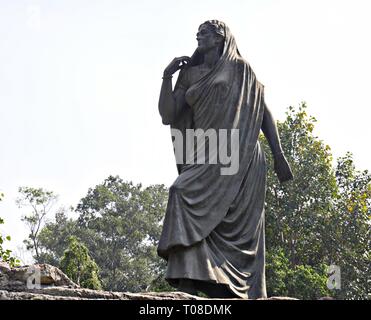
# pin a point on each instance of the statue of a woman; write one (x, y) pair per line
(213, 233)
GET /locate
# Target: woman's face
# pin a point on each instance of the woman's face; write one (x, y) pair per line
(207, 39)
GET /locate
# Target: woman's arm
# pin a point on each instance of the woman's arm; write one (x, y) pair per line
(269, 128)
(169, 102)
(166, 104)
(270, 131)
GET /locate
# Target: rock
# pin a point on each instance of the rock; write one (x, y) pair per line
(28, 277)
(4, 267)
(45, 282)
(278, 298)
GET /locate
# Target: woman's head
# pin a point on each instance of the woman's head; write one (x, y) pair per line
(216, 26)
(211, 34)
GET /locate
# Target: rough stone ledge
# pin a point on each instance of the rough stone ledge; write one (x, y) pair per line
(55, 285)
(79, 294)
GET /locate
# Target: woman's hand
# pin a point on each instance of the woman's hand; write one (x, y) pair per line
(176, 64)
(282, 168)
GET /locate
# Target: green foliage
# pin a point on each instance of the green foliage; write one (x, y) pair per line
(296, 210)
(348, 233)
(305, 282)
(121, 223)
(320, 218)
(53, 238)
(6, 254)
(77, 264)
(301, 281)
(159, 284)
(277, 272)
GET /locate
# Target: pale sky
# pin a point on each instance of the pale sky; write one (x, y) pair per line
(80, 80)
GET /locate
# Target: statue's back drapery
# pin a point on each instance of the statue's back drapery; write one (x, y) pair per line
(214, 224)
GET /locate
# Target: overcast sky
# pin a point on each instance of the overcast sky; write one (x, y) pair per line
(80, 79)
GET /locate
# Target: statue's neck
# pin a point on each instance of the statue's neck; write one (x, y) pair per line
(211, 57)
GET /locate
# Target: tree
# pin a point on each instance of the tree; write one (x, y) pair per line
(77, 264)
(120, 223)
(319, 219)
(296, 211)
(6, 254)
(41, 201)
(53, 237)
(348, 234)
(301, 281)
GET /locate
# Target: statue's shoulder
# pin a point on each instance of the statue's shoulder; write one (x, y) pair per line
(242, 62)
(244, 66)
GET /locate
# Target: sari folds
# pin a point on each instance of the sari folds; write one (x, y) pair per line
(214, 224)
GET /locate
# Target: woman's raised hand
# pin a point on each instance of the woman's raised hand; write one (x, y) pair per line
(176, 64)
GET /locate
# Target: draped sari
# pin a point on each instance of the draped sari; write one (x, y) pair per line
(214, 224)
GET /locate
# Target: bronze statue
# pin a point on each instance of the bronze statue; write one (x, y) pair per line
(213, 233)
